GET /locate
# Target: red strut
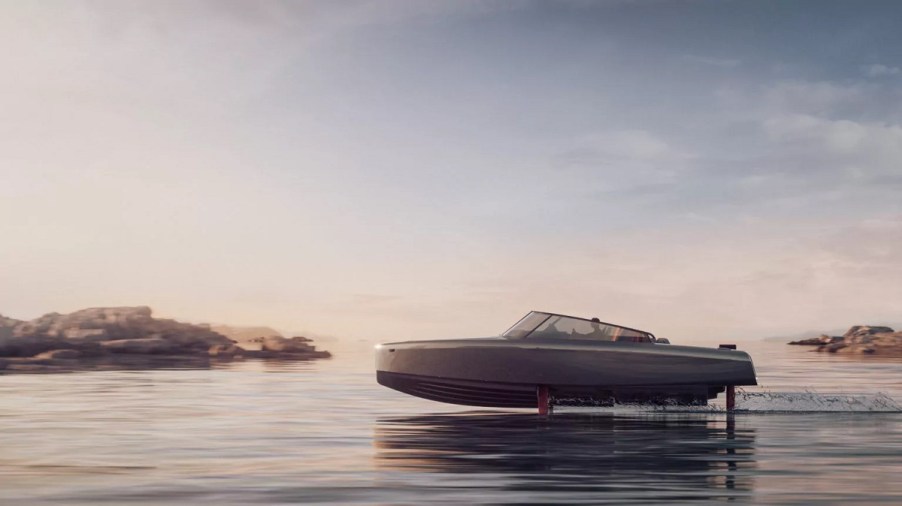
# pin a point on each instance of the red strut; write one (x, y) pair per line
(543, 400)
(731, 389)
(731, 397)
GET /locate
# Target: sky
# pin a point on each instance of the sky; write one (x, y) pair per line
(402, 169)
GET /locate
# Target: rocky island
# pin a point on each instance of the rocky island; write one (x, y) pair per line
(860, 339)
(131, 338)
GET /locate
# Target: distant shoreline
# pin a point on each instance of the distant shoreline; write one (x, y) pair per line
(113, 338)
(859, 340)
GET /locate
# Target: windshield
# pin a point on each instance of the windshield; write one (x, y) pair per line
(545, 325)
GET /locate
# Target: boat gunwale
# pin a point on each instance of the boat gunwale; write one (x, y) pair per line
(585, 345)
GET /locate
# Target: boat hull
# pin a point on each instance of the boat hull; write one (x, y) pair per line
(497, 372)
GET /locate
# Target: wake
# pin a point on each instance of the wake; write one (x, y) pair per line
(764, 402)
(813, 402)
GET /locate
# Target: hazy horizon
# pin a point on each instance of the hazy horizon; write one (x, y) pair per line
(375, 170)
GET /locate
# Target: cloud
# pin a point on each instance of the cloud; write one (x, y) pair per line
(634, 159)
(628, 145)
(811, 96)
(786, 148)
(872, 148)
(880, 70)
(726, 63)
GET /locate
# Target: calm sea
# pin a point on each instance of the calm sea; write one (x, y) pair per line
(270, 433)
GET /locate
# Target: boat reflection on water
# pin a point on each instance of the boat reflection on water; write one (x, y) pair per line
(573, 457)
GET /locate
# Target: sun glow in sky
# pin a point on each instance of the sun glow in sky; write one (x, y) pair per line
(377, 170)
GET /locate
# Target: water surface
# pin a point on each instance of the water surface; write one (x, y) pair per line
(275, 433)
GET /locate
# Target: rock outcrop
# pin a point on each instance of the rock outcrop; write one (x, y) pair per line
(817, 341)
(128, 337)
(860, 339)
(244, 334)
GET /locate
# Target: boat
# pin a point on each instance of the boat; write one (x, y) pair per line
(548, 358)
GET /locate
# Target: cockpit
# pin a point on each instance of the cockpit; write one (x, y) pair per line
(549, 325)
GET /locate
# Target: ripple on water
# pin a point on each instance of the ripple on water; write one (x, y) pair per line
(258, 433)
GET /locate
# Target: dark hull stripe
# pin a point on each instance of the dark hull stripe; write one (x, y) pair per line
(500, 395)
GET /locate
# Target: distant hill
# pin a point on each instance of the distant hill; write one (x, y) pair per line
(244, 333)
(115, 338)
(7, 325)
(817, 333)
(320, 338)
(805, 335)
